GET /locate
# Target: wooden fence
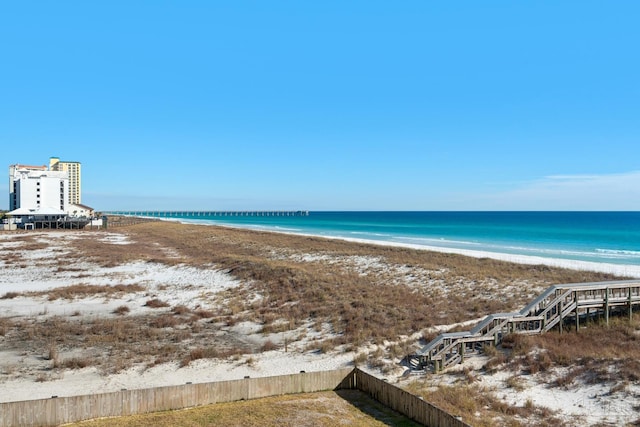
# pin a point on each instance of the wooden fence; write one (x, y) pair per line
(112, 221)
(61, 410)
(410, 405)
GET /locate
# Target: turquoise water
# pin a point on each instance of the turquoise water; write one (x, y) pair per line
(606, 237)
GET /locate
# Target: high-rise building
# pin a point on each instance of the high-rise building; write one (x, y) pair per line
(73, 170)
(37, 188)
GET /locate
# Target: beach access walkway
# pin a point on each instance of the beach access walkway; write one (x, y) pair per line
(558, 307)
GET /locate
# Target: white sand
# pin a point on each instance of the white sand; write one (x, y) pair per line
(175, 285)
(578, 404)
(192, 287)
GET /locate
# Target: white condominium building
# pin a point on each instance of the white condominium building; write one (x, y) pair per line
(73, 170)
(37, 188)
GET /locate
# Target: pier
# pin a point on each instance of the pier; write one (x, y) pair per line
(558, 307)
(206, 214)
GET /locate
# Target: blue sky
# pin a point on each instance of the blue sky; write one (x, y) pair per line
(331, 105)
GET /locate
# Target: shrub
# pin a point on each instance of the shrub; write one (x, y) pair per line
(156, 303)
(204, 314)
(268, 346)
(161, 322)
(359, 359)
(76, 363)
(121, 310)
(10, 295)
(180, 309)
(52, 353)
(515, 382)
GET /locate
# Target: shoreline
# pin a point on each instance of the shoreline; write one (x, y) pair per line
(625, 270)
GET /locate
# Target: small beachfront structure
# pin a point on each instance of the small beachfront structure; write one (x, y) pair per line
(82, 211)
(31, 218)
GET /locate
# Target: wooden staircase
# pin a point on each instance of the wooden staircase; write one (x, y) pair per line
(555, 307)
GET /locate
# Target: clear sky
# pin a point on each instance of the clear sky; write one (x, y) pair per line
(328, 105)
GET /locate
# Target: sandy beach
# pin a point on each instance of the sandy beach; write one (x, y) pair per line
(210, 295)
(626, 270)
(632, 271)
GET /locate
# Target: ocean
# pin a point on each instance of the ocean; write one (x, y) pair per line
(600, 237)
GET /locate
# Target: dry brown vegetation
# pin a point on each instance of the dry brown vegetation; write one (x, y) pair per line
(156, 303)
(83, 291)
(361, 305)
(10, 295)
(480, 407)
(121, 310)
(27, 243)
(360, 294)
(597, 354)
(113, 344)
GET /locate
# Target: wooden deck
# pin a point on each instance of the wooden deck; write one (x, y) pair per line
(557, 307)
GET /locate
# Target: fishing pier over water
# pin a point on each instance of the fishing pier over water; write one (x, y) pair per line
(560, 307)
(206, 214)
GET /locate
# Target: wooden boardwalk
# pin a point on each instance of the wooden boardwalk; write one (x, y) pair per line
(557, 307)
(206, 214)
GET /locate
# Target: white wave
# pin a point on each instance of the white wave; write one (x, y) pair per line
(628, 270)
(619, 252)
(436, 241)
(601, 254)
(284, 228)
(364, 233)
(547, 251)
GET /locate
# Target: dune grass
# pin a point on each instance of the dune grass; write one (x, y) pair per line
(360, 304)
(598, 354)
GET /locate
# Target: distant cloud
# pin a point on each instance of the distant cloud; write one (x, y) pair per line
(572, 192)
